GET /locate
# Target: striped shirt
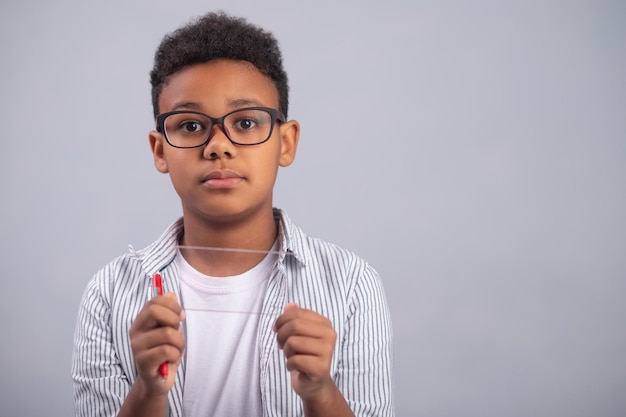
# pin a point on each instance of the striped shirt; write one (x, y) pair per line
(315, 274)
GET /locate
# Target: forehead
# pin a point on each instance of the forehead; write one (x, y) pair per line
(217, 87)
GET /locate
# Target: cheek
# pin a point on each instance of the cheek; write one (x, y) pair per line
(261, 171)
(180, 172)
(268, 163)
(263, 155)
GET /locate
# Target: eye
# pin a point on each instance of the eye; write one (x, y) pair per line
(190, 126)
(245, 123)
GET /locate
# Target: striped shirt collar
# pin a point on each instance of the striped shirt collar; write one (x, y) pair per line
(160, 254)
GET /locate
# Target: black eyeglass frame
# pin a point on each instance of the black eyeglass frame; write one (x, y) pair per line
(274, 114)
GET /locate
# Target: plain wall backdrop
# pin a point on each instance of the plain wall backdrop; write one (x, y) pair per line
(473, 152)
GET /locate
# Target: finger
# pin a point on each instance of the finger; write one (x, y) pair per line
(286, 316)
(157, 313)
(310, 366)
(305, 328)
(168, 300)
(149, 361)
(293, 312)
(159, 354)
(160, 336)
(149, 356)
(298, 345)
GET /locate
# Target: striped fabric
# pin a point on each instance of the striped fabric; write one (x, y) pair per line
(313, 273)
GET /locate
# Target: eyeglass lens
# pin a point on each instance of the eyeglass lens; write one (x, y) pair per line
(246, 127)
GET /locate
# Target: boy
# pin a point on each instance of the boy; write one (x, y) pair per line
(286, 325)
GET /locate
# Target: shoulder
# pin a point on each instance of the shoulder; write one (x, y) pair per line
(323, 257)
(117, 283)
(126, 272)
(334, 281)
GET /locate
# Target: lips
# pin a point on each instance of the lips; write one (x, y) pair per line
(222, 179)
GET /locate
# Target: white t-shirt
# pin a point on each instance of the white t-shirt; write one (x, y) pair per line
(222, 355)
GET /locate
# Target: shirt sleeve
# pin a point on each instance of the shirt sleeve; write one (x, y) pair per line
(365, 362)
(100, 385)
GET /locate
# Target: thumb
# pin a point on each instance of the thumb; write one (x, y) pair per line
(291, 306)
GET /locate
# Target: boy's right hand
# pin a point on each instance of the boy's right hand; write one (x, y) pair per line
(155, 337)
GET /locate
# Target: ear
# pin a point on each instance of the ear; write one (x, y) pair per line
(289, 136)
(157, 144)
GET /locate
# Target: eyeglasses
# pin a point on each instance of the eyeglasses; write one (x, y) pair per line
(192, 129)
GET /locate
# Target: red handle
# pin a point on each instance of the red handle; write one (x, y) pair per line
(157, 285)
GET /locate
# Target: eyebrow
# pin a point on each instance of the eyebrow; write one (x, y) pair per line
(243, 102)
(186, 105)
(233, 104)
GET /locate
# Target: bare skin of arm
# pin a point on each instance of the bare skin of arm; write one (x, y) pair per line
(308, 341)
(156, 337)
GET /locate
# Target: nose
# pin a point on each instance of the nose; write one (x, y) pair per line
(219, 146)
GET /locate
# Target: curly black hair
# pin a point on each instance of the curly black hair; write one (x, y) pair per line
(213, 36)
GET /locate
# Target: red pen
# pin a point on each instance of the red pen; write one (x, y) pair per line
(157, 288)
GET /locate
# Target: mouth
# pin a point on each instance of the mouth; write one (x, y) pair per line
(221, 179)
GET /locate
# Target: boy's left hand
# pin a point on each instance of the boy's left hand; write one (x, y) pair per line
(308, 340)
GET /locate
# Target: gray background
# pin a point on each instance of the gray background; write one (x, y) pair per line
(473, 152)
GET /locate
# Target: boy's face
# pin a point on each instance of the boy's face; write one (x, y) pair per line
(221, 180)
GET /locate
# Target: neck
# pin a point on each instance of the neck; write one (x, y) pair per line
(255, 234)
